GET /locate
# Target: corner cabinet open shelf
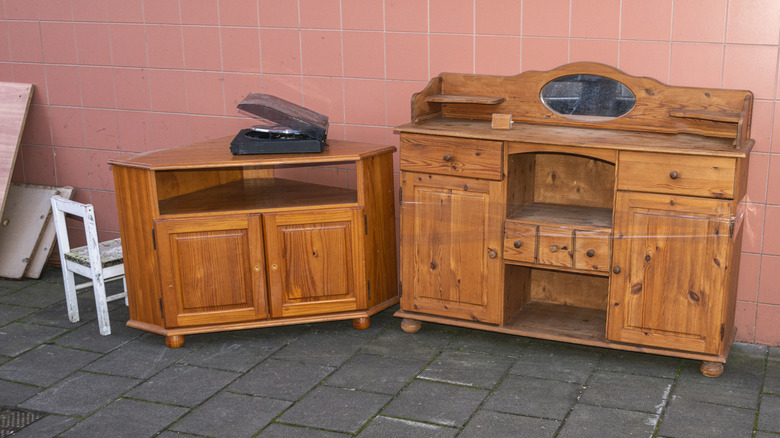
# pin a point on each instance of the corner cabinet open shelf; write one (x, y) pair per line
(618, 231)
(214, 241)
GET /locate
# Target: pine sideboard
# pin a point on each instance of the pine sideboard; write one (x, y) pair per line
(618, 226)
(214, 241)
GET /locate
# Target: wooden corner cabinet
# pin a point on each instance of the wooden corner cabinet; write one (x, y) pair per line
(214, 241)
(580, 205)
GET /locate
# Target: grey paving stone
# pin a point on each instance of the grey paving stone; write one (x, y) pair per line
(378, 325)
(56, 315)
(534, 397)
(769, 415)
(88, 337)
(282, 379)
(14, 285)
(498, 344)
(12, 313)
(174, 434)
(369, 372)
(183, 385)
(48, 426)
(467, 368)
(439, 403)
(45, 365)
(685, 417)
(560, 362)
(335, 409)
(80, 394)
(423, 345)
(331, 350)
(38, 294)
(16, 337)
(626, 391)
(231, 415)
(286, 431)
(230, 353)
(127, 418)
(382, 427)
(710, 391)
(740, 379)
(497, 424)
(139, 359)
(772, 376)
(277, 336)
(629, 362)
(594, 421)
(11, 394)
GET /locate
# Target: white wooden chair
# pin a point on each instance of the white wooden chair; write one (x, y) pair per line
(98, 261)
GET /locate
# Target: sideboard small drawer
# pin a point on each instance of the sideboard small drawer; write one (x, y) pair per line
(520, 242)
(555, 246)
(676, 174)
(452, 156)
(591, 250)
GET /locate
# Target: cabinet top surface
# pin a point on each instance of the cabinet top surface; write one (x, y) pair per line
(216, 153)
(580, 137)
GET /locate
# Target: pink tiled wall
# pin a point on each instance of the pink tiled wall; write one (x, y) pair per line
(117, 76)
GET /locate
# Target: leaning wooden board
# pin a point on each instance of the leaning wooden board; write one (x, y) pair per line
(23, 234)
(14, 103)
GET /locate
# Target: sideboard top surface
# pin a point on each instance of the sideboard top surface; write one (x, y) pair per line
(216, 154)
(581, 137)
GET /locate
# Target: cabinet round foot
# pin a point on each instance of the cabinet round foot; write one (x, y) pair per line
(410, 325)
(711, 369)
(361, 323)
(174, 341)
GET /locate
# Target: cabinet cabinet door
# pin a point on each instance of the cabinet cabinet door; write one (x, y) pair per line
(671, 262)
(211, 270)
(451, 239)
(315, 262)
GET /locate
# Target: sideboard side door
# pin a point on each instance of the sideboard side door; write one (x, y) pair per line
(671, 270)
(451, 246)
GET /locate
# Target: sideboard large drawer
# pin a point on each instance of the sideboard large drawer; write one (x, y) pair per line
(694, 175)
(452, 156)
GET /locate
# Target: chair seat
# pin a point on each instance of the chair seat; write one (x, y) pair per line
(110, 254)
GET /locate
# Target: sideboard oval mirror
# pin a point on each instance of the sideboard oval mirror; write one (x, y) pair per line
(587, 97)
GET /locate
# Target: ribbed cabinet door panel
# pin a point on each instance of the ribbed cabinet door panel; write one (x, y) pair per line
(211, 270)
(450, 248)
(315, 262)
(671, 270)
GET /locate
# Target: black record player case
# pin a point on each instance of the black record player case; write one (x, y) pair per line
(297, 129)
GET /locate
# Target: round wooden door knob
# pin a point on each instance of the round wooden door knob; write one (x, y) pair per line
(492, 253)
(518, 243)
(447, 157)
(674, 174)
(553, 248)
(590, 253)
(616, 269)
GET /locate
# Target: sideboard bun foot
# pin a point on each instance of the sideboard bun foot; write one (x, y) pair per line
(711, 369)
(410, 325)
(361, 323)
(174, 341)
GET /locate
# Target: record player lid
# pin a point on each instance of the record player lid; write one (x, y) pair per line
(277, 110)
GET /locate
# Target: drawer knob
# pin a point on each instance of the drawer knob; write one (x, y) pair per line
(616, 269)
(447, 157)
(590, 253)
(492, 253)
(674, 175)
(553, 248)
(518, 243)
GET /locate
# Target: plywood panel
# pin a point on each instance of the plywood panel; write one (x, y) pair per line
(27, 211)
(14, 102)
(46, 242)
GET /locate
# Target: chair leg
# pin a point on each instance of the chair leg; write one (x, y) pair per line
(99, 286)
(70, 295)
